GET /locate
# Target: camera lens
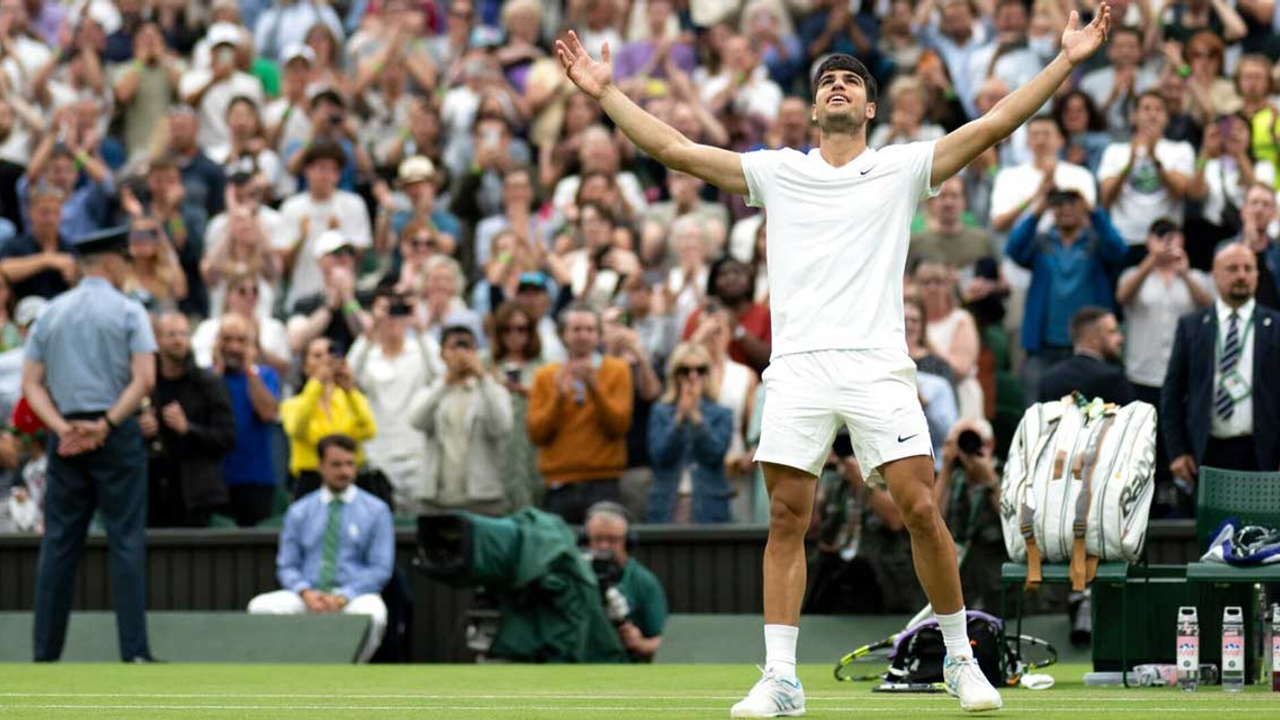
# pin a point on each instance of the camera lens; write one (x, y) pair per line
(969, 442)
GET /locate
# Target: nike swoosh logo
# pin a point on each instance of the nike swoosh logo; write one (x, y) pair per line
(873, 167)
(904, 439)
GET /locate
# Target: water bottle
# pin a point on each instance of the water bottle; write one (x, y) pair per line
(1188, 648)
(1156, 675)
(1233, 648)
(1262, 636)
(1275, 648)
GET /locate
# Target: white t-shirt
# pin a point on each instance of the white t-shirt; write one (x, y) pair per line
(838, 243)
(1151, 322)
(345, 211)
(297, 128)
(1143, 198)
(213, 106)
(1018, 184)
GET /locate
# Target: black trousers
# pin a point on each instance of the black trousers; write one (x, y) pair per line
(571, 500)
(251, 504)
(167, 504)
(112, 480)
(1231, 453)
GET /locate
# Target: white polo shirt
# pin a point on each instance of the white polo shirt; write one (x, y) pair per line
(838, 241)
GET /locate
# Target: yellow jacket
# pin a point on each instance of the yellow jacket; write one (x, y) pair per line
(305, 422)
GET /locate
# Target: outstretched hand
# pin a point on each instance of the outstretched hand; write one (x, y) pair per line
(591, 76)
(1081, 42)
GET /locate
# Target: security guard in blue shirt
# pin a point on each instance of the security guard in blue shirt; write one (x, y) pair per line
(89, 362)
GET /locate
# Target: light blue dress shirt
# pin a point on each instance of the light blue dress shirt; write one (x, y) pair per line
(86, 339)
(366, 545)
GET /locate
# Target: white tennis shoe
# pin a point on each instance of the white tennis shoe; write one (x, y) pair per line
(964, 679)
(773, 696)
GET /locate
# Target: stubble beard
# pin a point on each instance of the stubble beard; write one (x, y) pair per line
(841, 124)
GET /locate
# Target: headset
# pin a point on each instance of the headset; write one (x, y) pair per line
(608, 507)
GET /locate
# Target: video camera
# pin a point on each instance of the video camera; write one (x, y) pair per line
(539, 597)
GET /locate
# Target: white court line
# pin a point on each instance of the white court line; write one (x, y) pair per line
(1055, 697)
(536, 708)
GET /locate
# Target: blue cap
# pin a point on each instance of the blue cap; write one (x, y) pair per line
(536, 279)
(110, 240)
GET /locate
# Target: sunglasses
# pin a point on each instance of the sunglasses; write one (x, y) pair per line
(687, 370)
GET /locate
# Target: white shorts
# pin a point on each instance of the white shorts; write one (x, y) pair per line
(873, 392)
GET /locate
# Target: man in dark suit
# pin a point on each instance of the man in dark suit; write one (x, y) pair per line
(1096, 344)
(1218, 394)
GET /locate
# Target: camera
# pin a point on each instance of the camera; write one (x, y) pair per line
(337, 119)
(400, 309)
(557, 604)
(969, 442)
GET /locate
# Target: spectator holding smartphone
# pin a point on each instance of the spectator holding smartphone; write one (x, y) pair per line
(392, 361)
(689, 436)
(328, 404)
(517, 355)
(466, 417)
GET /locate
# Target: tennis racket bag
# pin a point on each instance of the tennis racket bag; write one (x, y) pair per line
(918, 654)
(1078, 485)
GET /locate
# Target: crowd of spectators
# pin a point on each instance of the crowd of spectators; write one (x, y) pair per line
(396, 220)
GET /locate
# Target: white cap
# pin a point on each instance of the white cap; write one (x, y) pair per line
(416, 169)
(296, 51)
(223, 34)
(29, 310)
(331, 241)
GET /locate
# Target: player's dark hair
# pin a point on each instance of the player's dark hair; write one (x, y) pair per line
(840, 61)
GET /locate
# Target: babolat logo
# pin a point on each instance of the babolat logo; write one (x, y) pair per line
(1007, 510)
(1129, 497)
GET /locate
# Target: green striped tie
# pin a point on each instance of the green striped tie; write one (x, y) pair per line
(329, 552)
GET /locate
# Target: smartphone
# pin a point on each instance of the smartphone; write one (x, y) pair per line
(513, 375)
(226, 56)
(491, 137)
(400, 309)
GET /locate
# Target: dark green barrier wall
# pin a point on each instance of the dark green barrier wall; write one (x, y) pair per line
(704, 570)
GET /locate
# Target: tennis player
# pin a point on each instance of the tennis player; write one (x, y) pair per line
(838, 225)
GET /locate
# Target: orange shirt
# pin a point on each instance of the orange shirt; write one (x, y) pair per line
(581, 441)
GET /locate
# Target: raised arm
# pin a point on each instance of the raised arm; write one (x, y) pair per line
(662, 142)
(959, 148)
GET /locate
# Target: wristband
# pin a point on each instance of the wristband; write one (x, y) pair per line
(504, 257)
(110, 425)
(137, 65)
(80, 159)
(1184, 72)
(351, 306)
(1200, 163)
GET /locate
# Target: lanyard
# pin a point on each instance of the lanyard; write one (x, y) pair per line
(1244, 336)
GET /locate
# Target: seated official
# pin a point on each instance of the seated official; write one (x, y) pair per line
(641, 633)
(337, 549)
(1093, 368)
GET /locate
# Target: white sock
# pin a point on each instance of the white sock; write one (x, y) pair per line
(780, 649)
(955, 633)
